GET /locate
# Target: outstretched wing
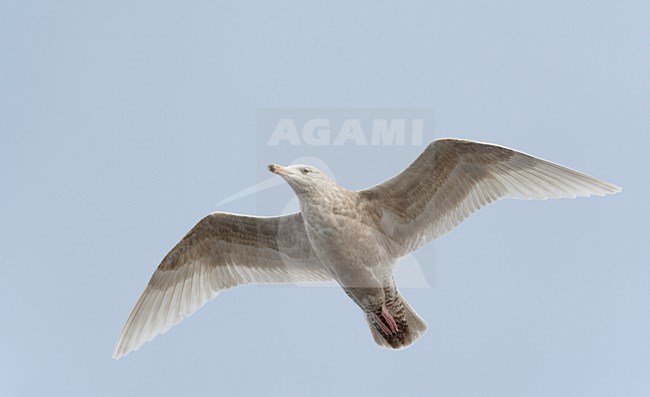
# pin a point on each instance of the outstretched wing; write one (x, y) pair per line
(220, 252)
(454, 178)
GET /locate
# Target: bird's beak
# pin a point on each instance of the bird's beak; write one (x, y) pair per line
(278, 169)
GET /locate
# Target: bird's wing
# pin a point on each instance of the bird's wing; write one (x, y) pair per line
(454, 178)
(220, 252)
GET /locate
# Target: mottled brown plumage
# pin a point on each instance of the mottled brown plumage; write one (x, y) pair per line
(351, 237)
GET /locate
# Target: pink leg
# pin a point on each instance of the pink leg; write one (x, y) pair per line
(389, 319)
(384, 328)
(386, 322)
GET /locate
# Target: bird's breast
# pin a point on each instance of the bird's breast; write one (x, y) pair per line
(340, 240)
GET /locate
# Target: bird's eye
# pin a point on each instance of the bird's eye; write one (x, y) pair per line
(306, 170)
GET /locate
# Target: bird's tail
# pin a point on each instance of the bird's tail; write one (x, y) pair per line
(410, 326)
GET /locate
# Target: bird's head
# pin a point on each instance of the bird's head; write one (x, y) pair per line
(302, 178)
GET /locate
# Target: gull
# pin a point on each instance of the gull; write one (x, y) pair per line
(352, 237)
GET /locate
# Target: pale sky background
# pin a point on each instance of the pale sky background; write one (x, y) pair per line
(122, 123)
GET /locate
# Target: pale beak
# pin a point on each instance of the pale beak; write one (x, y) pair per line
(278, 169)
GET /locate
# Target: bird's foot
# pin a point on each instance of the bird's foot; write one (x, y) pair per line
(385, 321)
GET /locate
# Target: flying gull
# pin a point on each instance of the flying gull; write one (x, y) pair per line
(352, 237)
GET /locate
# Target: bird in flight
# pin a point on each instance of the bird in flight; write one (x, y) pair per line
(354, 238)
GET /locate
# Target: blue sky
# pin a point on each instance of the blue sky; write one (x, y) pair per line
(123, 123)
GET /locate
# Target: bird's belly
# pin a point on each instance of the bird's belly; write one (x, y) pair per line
(353, 252)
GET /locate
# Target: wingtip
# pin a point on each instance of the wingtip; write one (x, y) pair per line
(611, 189)
(117, 354)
